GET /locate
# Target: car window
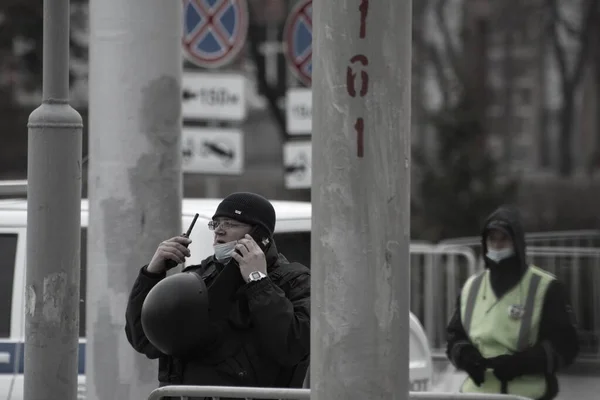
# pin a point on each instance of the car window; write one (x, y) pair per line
(82, 283)
(295, 246)
(8, 253)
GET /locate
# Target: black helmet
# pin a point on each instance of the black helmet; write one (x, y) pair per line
(175, 314)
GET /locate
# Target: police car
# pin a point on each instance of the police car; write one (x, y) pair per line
(292, 236)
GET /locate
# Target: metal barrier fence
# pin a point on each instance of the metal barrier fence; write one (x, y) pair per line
(217, 392)
(437, 276)
(579, 239)
(579, 270)
(439, 272)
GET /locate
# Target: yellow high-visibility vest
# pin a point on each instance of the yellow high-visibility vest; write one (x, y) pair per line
(505, 326)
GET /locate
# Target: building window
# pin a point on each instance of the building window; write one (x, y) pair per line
(8, 254)
(295, 246)
(82, 283)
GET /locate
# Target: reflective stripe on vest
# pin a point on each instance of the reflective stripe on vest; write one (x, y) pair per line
(494, 329)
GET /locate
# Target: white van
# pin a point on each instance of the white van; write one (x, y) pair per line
(292, 236)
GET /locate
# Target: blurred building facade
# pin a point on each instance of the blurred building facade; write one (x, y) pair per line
(511, 62)
(514, 61)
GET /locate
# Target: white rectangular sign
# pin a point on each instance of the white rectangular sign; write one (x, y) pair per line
(209, 96)
(213, 151)
(299, 111)
(297, 160)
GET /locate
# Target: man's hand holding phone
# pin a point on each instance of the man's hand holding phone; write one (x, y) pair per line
(250, 257)
(174, 250)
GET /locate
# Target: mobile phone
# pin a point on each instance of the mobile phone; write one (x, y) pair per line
(228, 281)
(261, 237)
(172, 264)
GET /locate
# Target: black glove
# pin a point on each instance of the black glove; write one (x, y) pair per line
(528, 362)
(470, 360)
(506, 367)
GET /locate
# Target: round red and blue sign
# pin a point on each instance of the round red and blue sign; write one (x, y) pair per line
(214, 31)
(298, 40)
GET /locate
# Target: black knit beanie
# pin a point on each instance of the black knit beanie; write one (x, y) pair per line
(249, 208)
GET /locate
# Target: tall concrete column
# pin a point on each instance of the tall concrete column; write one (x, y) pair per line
(361, 196)
(135, 182)
(53, 222)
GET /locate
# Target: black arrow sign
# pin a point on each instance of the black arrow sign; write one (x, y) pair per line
(220, 150)
(211, 96)
(187, 152)
(295, 168)
(299, 165)
(189, 95)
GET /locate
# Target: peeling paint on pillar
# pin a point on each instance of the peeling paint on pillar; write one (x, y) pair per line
(135, 176)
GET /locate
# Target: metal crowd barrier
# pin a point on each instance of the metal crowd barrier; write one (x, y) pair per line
(438, 273)
(577, 238)
(14, 188)
(579, 270)
(437, 276)
(217, 392)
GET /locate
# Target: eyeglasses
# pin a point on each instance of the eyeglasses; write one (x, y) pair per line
(212, 225)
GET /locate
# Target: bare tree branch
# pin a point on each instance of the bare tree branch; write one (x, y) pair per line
(583, 34)
(438, 66)
(588, 19)
(433, 55)
(559, 51)
(570, 79)
(449, 46)
(568, 26)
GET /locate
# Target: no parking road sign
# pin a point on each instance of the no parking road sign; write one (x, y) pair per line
(298, 40)
(214, 31)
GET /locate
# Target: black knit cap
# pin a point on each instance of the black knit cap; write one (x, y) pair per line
(249, 208)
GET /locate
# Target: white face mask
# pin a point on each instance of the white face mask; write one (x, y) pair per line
(499, 255)
(223, 251)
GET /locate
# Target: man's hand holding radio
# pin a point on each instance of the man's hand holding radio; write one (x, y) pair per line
(174, 249)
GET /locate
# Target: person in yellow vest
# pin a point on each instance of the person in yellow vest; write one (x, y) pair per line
(513, 327)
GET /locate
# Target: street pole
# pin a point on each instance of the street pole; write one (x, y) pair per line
(53, 223)
(360, 196)
(135, 183)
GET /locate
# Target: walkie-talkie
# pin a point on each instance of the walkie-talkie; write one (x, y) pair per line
(172, 264)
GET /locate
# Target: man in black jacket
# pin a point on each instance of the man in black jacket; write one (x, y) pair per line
(259, 333)
(513, 327)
